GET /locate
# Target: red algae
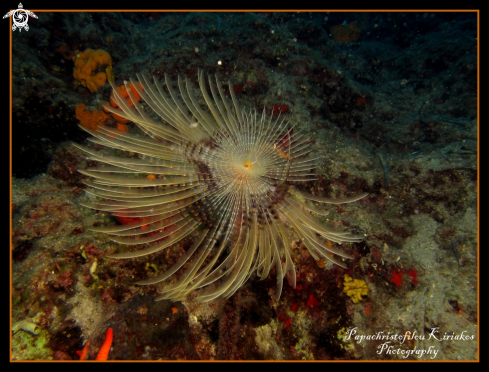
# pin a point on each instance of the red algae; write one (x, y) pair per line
(277, 109)
(397, 277)
(312, 302)
(126, 220)
(287, 324)
(413, 273)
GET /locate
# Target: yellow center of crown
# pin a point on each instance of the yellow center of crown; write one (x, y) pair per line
(248, 165)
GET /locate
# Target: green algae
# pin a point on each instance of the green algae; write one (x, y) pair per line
(28, 346)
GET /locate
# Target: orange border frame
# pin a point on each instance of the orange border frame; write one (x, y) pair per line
(262, 11)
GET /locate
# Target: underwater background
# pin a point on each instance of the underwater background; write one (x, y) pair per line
(389, 101)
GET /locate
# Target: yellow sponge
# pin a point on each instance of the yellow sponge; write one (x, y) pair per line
(355, 289)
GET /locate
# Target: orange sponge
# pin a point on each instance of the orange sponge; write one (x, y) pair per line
(118, 118)
(124, 93)
(90, 119)
(92, 68)
(122, 90)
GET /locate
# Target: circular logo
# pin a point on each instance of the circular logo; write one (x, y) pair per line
(20, 18)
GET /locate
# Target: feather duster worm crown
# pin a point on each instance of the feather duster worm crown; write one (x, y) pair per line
(219, 176)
